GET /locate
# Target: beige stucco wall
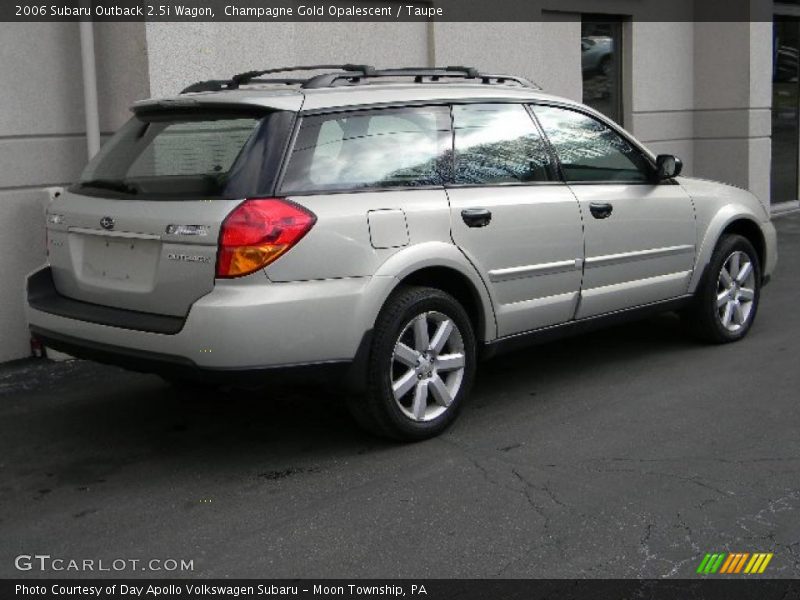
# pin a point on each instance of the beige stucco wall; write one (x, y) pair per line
(42, 139)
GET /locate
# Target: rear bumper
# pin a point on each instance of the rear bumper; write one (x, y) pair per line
(185, 369)
(240, 327)
(44, 297)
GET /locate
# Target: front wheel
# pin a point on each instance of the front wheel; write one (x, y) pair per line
(727, 299)
(421, 365)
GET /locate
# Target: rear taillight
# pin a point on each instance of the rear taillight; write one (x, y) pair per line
(257, 232)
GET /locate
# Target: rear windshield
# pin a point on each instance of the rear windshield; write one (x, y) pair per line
(209, 155)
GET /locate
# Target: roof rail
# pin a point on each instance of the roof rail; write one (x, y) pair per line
(351, 74)
(419, 75)
(215, 85)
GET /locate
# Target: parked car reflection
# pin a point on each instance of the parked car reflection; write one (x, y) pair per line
(596, 55)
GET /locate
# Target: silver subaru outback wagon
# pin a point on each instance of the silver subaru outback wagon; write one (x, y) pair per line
(384, 227)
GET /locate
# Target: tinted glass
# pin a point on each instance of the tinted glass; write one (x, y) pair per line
(601, 47)
(588, 150)
(172, 156)
(370, 149)
(498, 143)
(785, 109)
(193, 148)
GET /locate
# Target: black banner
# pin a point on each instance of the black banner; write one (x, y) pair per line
(429, 589)
(377, 10)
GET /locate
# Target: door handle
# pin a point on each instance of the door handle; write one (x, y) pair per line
(476, 217)
(600, 210)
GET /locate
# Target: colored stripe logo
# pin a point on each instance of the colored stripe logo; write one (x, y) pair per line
(734, 563)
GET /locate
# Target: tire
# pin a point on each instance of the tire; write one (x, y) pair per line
(420, 368)
(726, 301)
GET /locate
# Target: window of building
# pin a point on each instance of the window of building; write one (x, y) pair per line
(601, 64)
(588, 150)
(785, 117)
(370, 149)
(498, 143)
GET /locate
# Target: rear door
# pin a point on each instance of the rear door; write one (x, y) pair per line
(518, 224)
(139, 230)
(640, 233)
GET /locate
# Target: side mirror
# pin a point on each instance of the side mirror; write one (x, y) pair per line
(668, 166)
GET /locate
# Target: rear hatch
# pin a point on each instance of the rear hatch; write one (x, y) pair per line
(139, 230)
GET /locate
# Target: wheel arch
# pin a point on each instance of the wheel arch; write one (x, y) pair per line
(442, 266)
(750, 230)
(456, 284)
(728, 222)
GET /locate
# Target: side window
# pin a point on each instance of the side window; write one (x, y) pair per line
(588, 150)
(498, 143)
(370, 149)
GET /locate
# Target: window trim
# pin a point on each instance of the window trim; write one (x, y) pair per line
(528, 103)
(592, 114)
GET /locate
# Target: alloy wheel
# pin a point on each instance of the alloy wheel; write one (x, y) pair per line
(736, 286)
(427, 366)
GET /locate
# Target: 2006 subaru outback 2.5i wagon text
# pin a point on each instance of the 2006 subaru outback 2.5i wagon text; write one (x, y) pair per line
(394, 223)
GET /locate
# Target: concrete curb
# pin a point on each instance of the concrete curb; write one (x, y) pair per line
(784, 208)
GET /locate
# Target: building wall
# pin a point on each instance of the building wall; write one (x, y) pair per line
(182, 53)
(733, 80)
(547, 53)
(42, 137)
(660, 73)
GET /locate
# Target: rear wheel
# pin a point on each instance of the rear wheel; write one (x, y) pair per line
(726, 302)
(421, 365)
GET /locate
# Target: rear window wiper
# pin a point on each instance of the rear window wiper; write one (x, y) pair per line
(110, 184)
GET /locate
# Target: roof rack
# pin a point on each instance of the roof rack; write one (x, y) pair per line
(350, 74)
(235, 82)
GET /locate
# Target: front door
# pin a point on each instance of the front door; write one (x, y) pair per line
(640, 234)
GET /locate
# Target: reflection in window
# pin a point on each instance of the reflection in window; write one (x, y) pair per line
(498, 143)
(785, 109)
(588, 150)
(600, 63)
(370, 149)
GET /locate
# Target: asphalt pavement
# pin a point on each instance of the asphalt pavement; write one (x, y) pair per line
(629, 452)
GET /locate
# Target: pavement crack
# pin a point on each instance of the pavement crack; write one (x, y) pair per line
(644, 548)
(693, 480)
(527, 492)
